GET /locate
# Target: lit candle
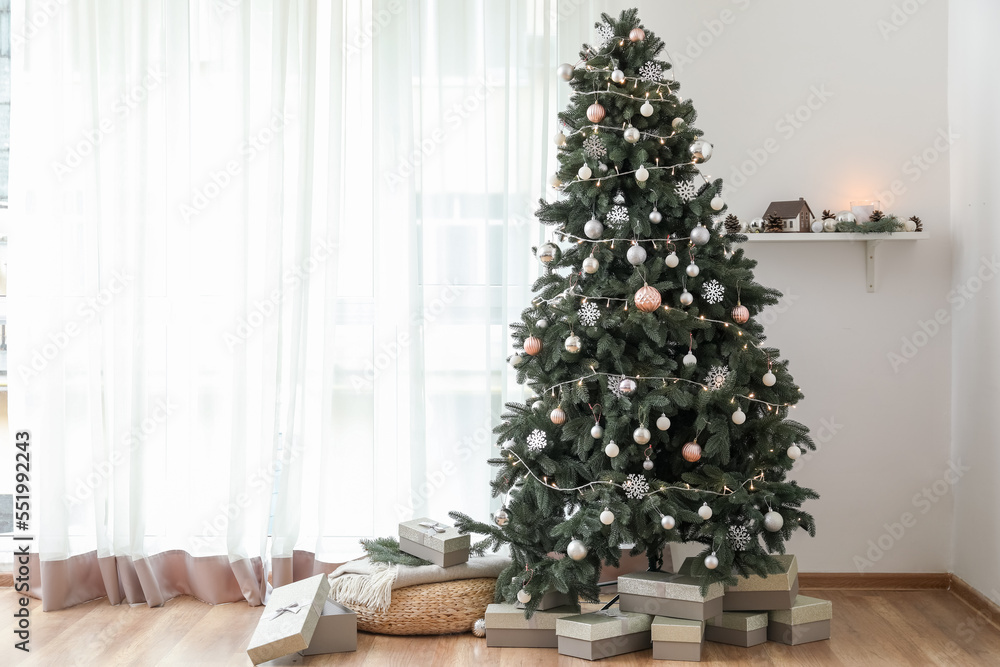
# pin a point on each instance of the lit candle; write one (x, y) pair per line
(862, 210)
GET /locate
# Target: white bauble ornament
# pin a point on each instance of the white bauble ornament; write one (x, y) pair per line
(909, 226)
(672, 260)
(636, 255)
(593, 228)
(501, 518)
(845, 216)
(773, 521)
(541, 324)
(769, 379)
(667, 521)
(539, 406)
(744, 226)
(611, 450)
(739, 416)
(686, 298)
(597, 431)
(793, 452)
(523, 596)
(676, 122)
(590, 265)
(516, 360)
(655, 216)
(584, 173)
(647, 464)
(560, 139)
(705, 512)
(631, 135)
(565, 71)
(817, 226)
(700, 236)
(692, 269)
(690, 359)
(641, 174)
(641, 435)
(711, 561)
(646, 109)
(573, 344)
(554, 180)
(602, 167)
(576, 550)
(718, 203)
(607, 517)
(663, 422)
(618, 76)
(830, 225)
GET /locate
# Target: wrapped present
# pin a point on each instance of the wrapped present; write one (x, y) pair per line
(551, 600)
(759, 592)
(289, 620)
(677, 639)
(433, 541)
(670, 595)
(507, 626)
(336, 631)
(807, 621)
(603, 634)
(739, 628)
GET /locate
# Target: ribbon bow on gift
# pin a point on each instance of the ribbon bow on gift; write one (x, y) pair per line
(293, 608)
(433, 527)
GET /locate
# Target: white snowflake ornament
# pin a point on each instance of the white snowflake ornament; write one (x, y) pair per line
(739, 537)
(590, 314)
(713, 291)
(717, 376)
(651, 71)
(593, 147)
(635, 486)
(613, 384)
(537, 440)
(605, 33)
(686, 190)
(617, 217)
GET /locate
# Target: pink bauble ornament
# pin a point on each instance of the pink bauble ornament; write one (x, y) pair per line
(637, 34)
(740, 314)
(595, 112)
(532, 345)
(558, 416)
(691, 452)
(647, 299)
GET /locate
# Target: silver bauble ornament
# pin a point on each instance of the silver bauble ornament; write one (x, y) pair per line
(718, 203)
(690, 360)
(846, 216)
(539, 406)
(705, 512)
(756, 225)
(631, 134)
(672, 260)
(793, 452)
(597, 431)
(636, 255)
(541, 324)
(611, 450)
(769, 379)
(573, 344)
(830, 225)
(655, 217)
(647, 464)
(548, 253)
(584, 173)
(618, 76)
(627, 386)
(576, 550)
(641, 435)
(711, 561)
(700, 235)
(565, 71)
(773, 521)
(817, 226)
(739, 416)
(602, 167)
(701, 150)
(686, 298)
(667, 521)
(502, 518)
(593, 228)
(677, 122)
(641, 174)
(590, 265)
(607, 517)
(560, 139)
(523, 596)
(663, 422)
(646, 109)
(692, 269)
(479, 627)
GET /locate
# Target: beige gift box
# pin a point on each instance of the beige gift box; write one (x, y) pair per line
(507, 626)
(807, 621)
(603, 634)
(289, 619)
(440, 544)
(670, 595)
(677, 639)
(759, 592)
(739, 628)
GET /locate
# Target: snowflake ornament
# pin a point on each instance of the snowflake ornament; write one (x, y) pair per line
(713, 291)
(717, 376)
(651, 71)
(618, 217)
(590, 314)
(613, 382)
(739, 537)
(686, 190)
(537, 440)
(605, 33)
(635, 486)
(594, 148)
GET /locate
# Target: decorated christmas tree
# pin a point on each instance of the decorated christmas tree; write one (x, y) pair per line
(658, 414)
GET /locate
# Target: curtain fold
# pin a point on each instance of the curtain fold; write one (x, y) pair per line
(263, 259)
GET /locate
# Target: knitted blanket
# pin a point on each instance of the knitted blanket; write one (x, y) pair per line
(361, 582)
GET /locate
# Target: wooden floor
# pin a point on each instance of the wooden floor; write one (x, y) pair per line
(869, 628)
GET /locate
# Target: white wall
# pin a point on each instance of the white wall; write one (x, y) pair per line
(974, 106)
(885, 100)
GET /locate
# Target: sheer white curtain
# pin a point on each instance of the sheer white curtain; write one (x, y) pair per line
(263, 257)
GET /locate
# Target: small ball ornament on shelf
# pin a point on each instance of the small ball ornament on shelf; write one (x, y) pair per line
(655, 216)
(686, 298)
(830, 225)
(909, 226)
(647, 299)
(593, 228)
(607, 517)
(711, 561)
(565, 71)
(739, 416)
(641, 174)
(769, 379)
(846, 217)
(576, 550)
(700, 236)
(773, 521)
(663, 422)
(558, 416)
(667, 521)
(636, 255)
(817, 226)
(523, 596)
(637, 34)
(627, 386)
(705, 512)
(501, 518)
(559, 139)
(741, 314)
(573, 344)
(631, 134)
(677, 123)
(646, 109)
(718, 203)
(595, 112)
(584, 173)
(756, 226)
(597, 431)
(672, 260)
(701, 151)
(689, 359)
(590, 265)
(691, 452)
(479, 628)
(548, 253)
(618, 76)
(532, 345)
(793, 452)
(641, 435)
(611, 450)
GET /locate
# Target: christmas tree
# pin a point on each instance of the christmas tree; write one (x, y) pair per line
(659, 415)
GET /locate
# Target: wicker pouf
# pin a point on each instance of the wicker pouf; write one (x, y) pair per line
(430, 609)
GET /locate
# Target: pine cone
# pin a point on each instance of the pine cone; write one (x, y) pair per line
(774, 224)
(876, 216)
(827, 215)
(732, 224)
(916, 221)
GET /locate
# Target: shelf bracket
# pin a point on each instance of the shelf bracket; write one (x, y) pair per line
(870, 263)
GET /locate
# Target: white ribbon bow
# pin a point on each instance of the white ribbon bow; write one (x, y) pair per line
(433, 527)
(293, 608)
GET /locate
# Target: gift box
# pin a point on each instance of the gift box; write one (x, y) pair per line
(670, 595)
(758, 592)
(433, 541)
(603, 634)
(552, 600)
(336, 631)
(677, 639)
(289, 620)
(739, 628)
(507, 626)
(807, 621)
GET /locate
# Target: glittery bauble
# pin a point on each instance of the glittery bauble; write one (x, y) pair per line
(560, 139)
(631, 134)
(618, 76)
(769, 379)
(740, 314)
(501, 518)
(637, 34)
(690, 359)
(627, 386)
(846, 216)
(576, 550)
(593, 228)
(590, 265)
(607, 517)
(691, 452)
(479, 627)
(672, 260)
(711, 561)
(676, 122)
(532, 345)
(655, 217)
(641, 435)
(558, 416)
(717, 203)
(668, 521)
(565, 71)
(584, 173)
(647, 299)
(548, 253)
(636, 255)
(739, 416)
(646, 109)
(686, 298)
(523, 596)
(573, 344)
(700, 235)
(597, 431)
(773, 521)
(692, 270)
(663, 422)
(611, 450)
(641, 174)
(595, 112)
(705, 512)
(701, 150)
(793, 452)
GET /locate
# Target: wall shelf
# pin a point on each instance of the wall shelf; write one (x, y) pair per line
(871, 242)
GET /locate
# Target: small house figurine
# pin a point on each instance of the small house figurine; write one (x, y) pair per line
(796, 214)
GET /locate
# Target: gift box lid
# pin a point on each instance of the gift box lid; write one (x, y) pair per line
(437, 536)
(603, 624)
(667, 585)
(677, 630)
(758, 583)
(744, 621)
(805, 610)
(289, 619)
(509, 617)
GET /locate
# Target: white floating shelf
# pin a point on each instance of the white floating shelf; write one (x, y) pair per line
(871, 242)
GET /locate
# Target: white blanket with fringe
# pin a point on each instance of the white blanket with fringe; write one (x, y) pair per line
(364, 583)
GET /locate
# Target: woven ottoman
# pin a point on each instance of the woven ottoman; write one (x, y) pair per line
(443, 608)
